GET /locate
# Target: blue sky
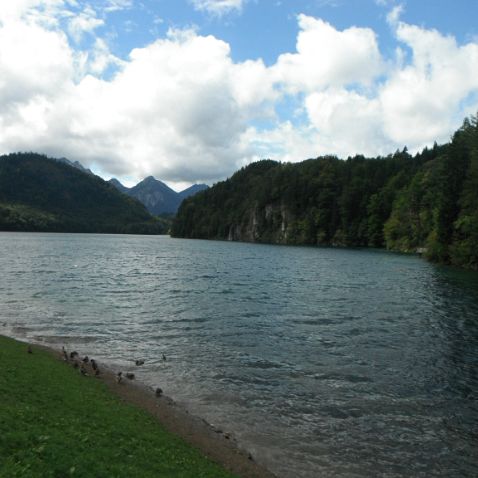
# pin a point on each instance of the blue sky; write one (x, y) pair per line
(267, 28)
(190, 90)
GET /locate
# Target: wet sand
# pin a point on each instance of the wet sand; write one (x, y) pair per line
(218, 445)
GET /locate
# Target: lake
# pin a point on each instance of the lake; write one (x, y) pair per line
(321, 362)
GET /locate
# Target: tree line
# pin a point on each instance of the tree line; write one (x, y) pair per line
(426, 203)
(42, 194)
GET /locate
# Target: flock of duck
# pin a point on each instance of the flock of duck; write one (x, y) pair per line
(87, 366)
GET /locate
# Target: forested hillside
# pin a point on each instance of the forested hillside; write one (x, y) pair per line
(428, 202)
(42, 194)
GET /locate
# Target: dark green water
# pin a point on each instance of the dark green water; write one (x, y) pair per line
(322, 362)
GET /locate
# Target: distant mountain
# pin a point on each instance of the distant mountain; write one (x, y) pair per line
(157, 196)
(118, 185)
(194, 189)
(43, 194)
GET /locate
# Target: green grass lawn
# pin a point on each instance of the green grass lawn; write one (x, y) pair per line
(56, 423)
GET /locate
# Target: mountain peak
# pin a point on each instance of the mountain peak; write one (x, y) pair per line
(75, 164)
(157, 196)
(152, 182)
(56, 196)
(118, 185)
(195, 188)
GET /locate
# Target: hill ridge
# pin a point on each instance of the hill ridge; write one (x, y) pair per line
(38, 193)
(427, 203)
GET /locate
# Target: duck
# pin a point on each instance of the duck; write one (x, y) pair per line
(139, 362)
(158, 392)
(164, 357)
(64, 353)
(73, 354)
(86, 359)
(95, 367)
(130, 376)
(119, 377)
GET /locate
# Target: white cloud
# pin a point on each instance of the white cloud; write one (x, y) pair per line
(328, 57)
(339, 122)
(84, 22)
(33, 61)
(181, 109)
(177, 109)
(422, 101)
(116, 5)
(394, 15)
(218, 7)
(39, 12)
(100, 58)
(13, 10)
(286, 142)
(419, 103)
(346, 123)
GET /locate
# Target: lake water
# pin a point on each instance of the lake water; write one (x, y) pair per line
(322, 362)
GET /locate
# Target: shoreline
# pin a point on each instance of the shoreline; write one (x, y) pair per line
(217, 445)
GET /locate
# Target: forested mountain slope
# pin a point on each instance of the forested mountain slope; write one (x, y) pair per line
(42, 194)
(427, 203)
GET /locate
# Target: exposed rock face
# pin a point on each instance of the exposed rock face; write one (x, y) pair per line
(271, 223)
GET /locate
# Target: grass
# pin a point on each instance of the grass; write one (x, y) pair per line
(56, 423)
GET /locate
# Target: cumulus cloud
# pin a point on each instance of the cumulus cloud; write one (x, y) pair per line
(33, 61)
(420, 101)
(346, 122)
(328, 57)
(177, 108)
(218, 7)
(181, 109)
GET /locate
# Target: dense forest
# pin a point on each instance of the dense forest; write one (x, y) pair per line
(42, 194)
(423, 203)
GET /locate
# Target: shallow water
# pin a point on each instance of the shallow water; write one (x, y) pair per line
(322, 362)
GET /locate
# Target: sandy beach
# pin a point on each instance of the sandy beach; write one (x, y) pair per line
(216, 444)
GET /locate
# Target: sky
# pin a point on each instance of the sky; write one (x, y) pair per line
(191, 90)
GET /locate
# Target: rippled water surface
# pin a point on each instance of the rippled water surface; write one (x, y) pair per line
(322, 362)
